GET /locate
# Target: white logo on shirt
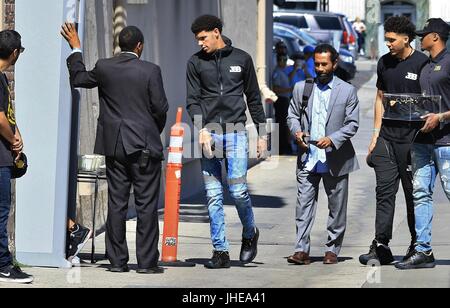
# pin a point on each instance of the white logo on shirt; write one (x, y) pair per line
(235, 69)
(411, 76)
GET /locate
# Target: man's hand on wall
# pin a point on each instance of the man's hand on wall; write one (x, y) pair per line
(69, 32)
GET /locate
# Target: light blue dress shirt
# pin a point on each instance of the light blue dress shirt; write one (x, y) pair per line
(280, 79)
(317, 158)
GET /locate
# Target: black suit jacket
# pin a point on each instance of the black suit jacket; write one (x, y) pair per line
(133, 104)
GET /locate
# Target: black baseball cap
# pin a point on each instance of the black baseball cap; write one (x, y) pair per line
(435, 25)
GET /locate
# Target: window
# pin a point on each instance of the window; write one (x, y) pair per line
(296, 21)
(328, 22)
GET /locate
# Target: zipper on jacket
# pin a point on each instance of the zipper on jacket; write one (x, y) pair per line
(219, 74)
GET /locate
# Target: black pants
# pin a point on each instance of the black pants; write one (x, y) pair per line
(122, 172)
(392, 163)
(281, 114)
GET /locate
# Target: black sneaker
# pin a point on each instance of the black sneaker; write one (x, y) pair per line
(378, 253)
(371, 255)
(249, 248)
(409, 252)
(418, 260)
(76, 241)
(220, 259)
(384, 254)
(13, 274)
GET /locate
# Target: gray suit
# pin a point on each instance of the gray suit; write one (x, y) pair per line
(342, 124)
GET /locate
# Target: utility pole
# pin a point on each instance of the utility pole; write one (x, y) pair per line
(261, 67)
(119, 22)
(324, 5)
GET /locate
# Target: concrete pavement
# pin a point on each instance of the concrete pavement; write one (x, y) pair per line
(273, 188)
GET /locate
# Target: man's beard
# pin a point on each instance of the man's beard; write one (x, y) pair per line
(324, 78)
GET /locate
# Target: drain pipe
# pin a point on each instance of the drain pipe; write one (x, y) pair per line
(261, 67)
(119, 22)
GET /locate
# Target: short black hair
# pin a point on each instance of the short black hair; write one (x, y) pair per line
(443, 37)
(401, 25)
(10, 40)
(325, 48)
(206, 23)
(129, 38)
(281, 57)
(298, 56)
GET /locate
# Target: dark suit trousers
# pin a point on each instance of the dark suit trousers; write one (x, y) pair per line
(392, 164)
(122, 172)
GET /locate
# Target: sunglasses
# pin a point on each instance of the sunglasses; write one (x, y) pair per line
(21, 49)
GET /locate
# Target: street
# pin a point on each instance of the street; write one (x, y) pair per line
(273, 189)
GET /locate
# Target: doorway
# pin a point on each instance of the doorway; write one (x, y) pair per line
(398, 8)
(394, 8)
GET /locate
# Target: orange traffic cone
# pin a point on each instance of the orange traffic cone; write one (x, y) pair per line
(173, 195)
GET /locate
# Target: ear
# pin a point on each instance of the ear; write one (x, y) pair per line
(335, 65)
(407, 40)
(216, 33)
(14, 54)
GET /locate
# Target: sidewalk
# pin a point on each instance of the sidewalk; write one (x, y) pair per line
(273, 189)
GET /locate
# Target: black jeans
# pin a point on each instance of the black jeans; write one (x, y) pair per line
(392, 164)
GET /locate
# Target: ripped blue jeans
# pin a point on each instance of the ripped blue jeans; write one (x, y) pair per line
(232, 149)
(428, 161)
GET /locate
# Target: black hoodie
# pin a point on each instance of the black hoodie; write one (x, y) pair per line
(216, 84)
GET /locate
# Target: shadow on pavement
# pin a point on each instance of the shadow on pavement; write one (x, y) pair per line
(233, 263)
(257, 200)
(320, 260)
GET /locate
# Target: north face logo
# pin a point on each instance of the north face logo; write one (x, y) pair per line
(235, 69)
(411, 76)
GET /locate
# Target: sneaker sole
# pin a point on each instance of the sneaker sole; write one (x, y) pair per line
(221, 267)
(373, 262)
(17, 281)
(81, 246)
(420, 266)
(365, 262)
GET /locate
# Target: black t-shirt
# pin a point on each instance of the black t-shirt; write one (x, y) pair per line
(435, 80)
(6, 157)
(400, 77)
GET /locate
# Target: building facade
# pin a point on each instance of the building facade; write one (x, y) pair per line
(169, 43)
(375, 12)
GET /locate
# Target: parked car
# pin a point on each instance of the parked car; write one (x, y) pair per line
(295, 40)
(349, 37)
(325, 27)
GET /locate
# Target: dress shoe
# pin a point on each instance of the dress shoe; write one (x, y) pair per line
(300, 258)
(153, 270)
(249, 248)
(220, 259)
(119, 269)
(330, 258)
(418, 260)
